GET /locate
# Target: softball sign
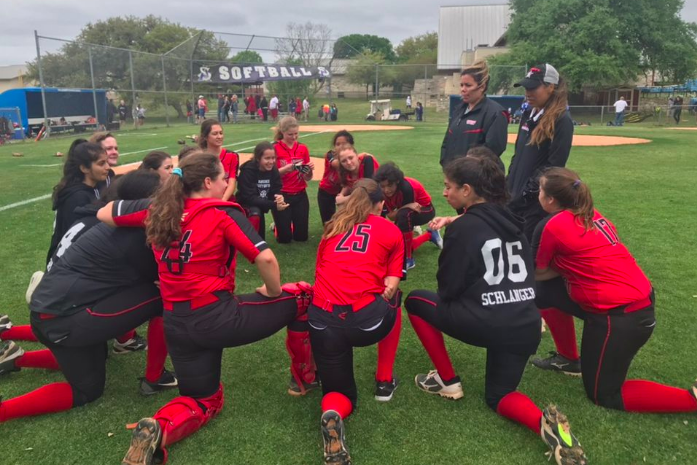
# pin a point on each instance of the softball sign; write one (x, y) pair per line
(247, 74)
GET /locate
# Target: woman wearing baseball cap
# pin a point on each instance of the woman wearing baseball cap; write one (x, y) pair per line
(544, 140)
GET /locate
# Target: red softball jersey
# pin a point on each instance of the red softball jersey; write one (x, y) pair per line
(352, 265)
(600, 272)
(231, 163)
(410, 191)
(331, 181)
(203, 261)
(366, 169)
(293, 181)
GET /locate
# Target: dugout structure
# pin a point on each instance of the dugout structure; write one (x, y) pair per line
(75, 105)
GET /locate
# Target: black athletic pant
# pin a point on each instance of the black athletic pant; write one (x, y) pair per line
(333, 336)
(610, 342)
(292, 224)
(531, 211)
(327, 205)
(504, 366)
(408, 218)
(676, 114)
(79, 341)
(196, 338)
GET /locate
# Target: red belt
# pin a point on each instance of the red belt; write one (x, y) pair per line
(328, 306)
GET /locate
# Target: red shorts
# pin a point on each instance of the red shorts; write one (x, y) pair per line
(274, 113)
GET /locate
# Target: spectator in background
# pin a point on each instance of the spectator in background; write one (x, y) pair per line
(252, 106)
(306, 109)
(140, 113)
(189, 112)
(264, 107)
(221, 108)
(298, 108)
(110, 111)
(671, 106)
(234, 108)
(326, 109)
(202, 109)
(226, 109)
(333, 112)
(273, 106)
(123, 111)
(291, 107)
(677, 108)
(408, 102)
(419, 111)
(620, 106)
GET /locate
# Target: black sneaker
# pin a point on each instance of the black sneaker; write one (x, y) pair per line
(384, 390)
(556, 433)
(294, 389)
(9, 353)
(167, 381)
(557, 362)
(144, 443)
(134, 344)
(335, 451)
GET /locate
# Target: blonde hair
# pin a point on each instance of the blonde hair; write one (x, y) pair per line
(366, 194)
(284, 125)
(479, 71)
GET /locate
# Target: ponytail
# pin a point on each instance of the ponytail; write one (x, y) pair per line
(365, 196)
(565, 186)
(163, 225)
(555, 107)
(284, 125)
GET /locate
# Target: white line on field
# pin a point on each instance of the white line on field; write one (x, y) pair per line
(120, 155)
(299, 137)
(24, 202)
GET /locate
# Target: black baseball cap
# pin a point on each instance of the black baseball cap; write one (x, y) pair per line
(539, 75)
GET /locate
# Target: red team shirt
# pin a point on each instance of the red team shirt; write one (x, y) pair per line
(231, 162)
(367, 167)
(350, 266)
(293, 181)
(599, 271)
(331, 181)
(397, 200)
(211, 238)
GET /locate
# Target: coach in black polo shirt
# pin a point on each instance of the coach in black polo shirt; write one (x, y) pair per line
(544, 140)
(478, 121)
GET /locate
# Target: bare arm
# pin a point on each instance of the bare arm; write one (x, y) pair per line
(270, 273)
(230, 189)
(391, 286)
(104, 214)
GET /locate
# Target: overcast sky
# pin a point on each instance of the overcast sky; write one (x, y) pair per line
(394, 19)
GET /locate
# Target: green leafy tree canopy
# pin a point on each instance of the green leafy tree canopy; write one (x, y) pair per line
(352, 45)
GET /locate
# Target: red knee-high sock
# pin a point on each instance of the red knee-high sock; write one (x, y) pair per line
(51, 398)
(639, 395)
(38, 359)
(387, 350)
(127, 336)
(157, 350)
(337, 402)
(18, 333)
(561, 325)
(518, 407)
(433, 342)
(255, 221)
(418, 241)
(408, 239)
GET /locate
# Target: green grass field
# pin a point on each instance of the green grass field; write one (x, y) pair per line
(646, 190)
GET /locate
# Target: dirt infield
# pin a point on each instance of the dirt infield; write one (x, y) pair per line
(684, 129)
(316, 175)
(351, 127)
(581, 140)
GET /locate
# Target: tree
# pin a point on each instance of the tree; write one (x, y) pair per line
(308, 44)
(605, 43)
(108, 42)
(289, 89)
(422, 47)
(246, 57)
(365, 70)
(351, 45)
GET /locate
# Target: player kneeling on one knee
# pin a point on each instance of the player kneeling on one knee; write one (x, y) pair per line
(356, 303)
(604, 286)
(195, 237)
(91, 294)
(486, 298)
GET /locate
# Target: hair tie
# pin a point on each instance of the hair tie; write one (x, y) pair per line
(576, 183)
(178, 171)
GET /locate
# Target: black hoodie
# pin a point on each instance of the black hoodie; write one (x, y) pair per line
(70, 198)
(486, 269)
(86, 218)
(256, 188)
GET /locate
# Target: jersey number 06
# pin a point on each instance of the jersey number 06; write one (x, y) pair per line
(495, 268)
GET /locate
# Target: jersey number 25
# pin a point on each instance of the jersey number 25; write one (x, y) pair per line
(356, 241)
